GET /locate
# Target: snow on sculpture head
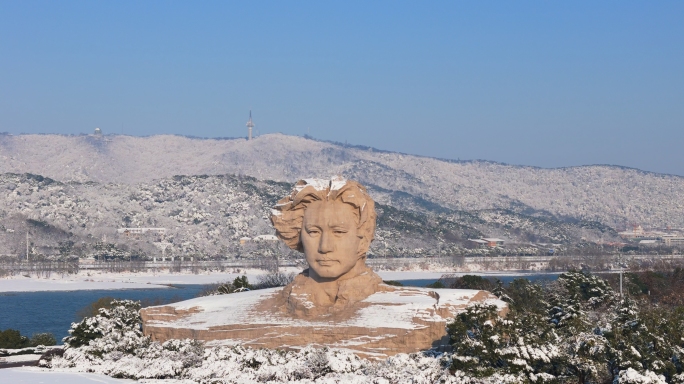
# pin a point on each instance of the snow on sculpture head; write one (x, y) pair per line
(331, 221)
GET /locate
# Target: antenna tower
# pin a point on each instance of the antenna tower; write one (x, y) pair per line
(250, 125)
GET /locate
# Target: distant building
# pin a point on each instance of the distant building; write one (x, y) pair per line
(490, 242)
(98, 132)
(493, 242)
(652, 237)
(477, 243)
(671, 239)
(635, 233)
(244, 240)
(136, 233)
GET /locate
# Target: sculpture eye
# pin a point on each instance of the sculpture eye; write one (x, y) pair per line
(313, 231)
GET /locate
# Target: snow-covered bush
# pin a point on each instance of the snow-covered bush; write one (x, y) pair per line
(630, 376)
(274, 279)
(116, 327)
(486, 344)
(45, 339)
(592, 290)
(239, 284)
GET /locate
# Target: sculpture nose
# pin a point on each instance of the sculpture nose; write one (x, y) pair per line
(327, 244)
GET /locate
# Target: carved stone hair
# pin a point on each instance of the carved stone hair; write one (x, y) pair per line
(288, 214)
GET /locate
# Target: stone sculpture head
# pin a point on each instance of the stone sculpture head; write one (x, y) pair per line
(332, 222)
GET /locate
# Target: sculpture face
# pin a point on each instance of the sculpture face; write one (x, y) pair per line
(331, 240)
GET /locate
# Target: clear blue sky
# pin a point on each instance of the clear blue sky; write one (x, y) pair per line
(547, 83)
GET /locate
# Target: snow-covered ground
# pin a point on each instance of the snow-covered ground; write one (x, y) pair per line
(19, 359)
(124, 280)
(31, 284)
(34, 375)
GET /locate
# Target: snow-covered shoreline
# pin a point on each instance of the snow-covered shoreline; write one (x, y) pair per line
(110, 281)
(129, 280)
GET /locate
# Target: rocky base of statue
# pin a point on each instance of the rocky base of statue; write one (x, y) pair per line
(361, 314)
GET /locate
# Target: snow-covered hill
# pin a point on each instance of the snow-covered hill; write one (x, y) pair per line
(205, 216)
(612, 195)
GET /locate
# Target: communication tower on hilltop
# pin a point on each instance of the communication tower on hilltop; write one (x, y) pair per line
(250, 125)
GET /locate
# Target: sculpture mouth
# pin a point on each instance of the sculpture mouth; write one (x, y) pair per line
(326, 262)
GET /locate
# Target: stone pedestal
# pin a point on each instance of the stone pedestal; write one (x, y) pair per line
(390, 321)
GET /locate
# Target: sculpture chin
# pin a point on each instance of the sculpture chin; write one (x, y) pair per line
(334, 269)
(327, 272)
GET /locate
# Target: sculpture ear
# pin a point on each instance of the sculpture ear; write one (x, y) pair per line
(364, 246)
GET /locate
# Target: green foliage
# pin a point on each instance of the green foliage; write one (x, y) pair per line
(485, 344)
(522, 296)
(240, 284)
(436, 284)
(37, 223)
(636, 284)
(573, 295)
(474, 340)
(12, 339)
(93, 308)
(658, 287)
(395, 283)
(472, 282)
(45, 339)
(646, 338)
(588, 288)
(585, 357)
(571, 330)
(121, 315)
(114, 251)
(65, 247)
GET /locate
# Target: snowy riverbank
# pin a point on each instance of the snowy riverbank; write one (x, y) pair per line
(99, 280)
(130, 280)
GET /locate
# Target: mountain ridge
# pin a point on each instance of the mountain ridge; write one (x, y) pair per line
(364, 147)
(613, 195)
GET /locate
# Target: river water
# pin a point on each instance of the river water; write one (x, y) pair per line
(35, 312)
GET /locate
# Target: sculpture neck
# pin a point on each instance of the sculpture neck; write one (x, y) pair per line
(308, 297)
